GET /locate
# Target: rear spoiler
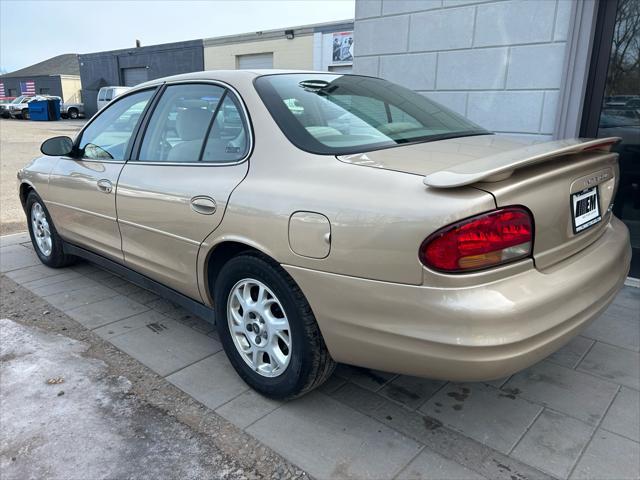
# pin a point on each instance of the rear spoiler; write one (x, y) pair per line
(501, 166)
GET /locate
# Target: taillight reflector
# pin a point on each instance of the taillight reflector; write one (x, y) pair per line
(486, 240)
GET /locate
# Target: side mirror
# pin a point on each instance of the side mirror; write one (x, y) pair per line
(57, 146)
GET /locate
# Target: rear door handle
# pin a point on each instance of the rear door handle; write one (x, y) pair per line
(105, 185)
(204, 205)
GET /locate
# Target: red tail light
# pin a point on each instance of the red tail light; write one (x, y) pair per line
(486, 240)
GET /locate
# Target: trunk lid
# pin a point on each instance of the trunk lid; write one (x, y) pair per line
(541, 176)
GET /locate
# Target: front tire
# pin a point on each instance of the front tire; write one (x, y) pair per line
(268, 330)
(73, 113)
(45, 239)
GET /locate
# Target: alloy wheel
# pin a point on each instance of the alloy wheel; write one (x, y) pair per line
(259, 327)
(41, 230)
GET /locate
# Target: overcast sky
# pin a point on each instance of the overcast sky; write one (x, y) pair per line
(34, 30)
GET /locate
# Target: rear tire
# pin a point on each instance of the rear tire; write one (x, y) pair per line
(72, 113)
(45, 239)
(25, 114)
(300, 354)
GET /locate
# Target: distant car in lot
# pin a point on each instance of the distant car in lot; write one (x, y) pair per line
(72, 110)
(628, 128)
(4, 107)
(625, 111)
(322, 218)
(19, 107)
(635, 103)
(619, 100)
(106, 94)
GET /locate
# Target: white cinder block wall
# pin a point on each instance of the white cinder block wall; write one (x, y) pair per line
(498, 62)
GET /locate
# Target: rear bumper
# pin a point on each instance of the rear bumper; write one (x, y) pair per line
(481, 332)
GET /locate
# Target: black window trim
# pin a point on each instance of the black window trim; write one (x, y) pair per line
(205, 139)
(127, 152)
(244, 114)
(598, 68)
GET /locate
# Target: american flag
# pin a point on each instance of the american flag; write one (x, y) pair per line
(1, 90)
(28, 87)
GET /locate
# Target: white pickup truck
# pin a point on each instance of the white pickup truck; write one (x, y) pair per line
(19, 107)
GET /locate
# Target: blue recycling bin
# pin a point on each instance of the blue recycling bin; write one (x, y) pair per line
(43, 110)
(38, 110)
(54, 109)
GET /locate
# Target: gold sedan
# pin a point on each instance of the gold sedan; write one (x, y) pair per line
(321, 218)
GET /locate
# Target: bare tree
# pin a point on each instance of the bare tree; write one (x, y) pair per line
(623, 76)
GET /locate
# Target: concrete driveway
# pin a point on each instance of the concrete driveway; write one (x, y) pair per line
(574, 415)
(20, 143)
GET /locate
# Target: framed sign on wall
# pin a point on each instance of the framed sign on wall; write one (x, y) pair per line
(342, 47)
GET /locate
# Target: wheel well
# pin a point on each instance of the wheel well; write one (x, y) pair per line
(221, 254)
(72, 108)
(25, 189)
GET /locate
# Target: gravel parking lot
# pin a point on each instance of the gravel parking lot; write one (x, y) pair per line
(19, 143)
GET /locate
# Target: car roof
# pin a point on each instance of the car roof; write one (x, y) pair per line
(225, 75)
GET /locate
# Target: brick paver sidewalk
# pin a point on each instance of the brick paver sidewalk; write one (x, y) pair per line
(574, 415)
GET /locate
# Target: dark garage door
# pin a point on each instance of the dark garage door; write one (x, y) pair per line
(134, 76)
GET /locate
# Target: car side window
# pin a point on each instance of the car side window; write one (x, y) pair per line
(107, 136)
(102, 94)
(227, 140)
(180, 122)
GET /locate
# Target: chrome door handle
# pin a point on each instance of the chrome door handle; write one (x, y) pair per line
(204, 205)
(105, 185)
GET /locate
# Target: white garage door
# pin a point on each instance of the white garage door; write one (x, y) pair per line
(257, 60)
(134, 76)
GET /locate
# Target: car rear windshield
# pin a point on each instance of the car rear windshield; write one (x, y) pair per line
(342, 114)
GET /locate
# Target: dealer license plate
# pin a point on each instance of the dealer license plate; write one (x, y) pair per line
(585, 209)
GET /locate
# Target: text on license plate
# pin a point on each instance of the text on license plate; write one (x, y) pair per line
(585, 209)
